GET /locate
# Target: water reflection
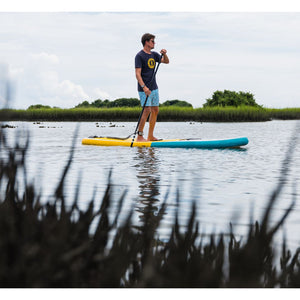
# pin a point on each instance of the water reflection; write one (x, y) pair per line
(148, 176)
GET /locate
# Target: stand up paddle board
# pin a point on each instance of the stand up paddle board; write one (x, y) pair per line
(170, 143)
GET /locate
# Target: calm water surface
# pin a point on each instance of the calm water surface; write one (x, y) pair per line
(225, 184)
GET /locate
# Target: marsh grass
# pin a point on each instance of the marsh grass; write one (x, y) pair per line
(232, 114)
(73, 114)
(52, 245)
(172, 113)
(285, 113)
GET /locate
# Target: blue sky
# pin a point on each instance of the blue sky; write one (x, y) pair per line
(61, 59)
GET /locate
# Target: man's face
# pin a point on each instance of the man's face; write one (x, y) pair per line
(151, 43)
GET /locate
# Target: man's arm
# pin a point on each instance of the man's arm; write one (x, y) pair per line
(165, 58)
(138, 75)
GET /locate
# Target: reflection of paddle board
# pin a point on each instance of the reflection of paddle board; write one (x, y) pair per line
(175, 143)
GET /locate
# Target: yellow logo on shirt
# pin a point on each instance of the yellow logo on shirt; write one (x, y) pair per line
(151, 63)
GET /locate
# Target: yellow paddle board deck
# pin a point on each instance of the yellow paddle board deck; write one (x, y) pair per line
(171, 143)
(106, 141)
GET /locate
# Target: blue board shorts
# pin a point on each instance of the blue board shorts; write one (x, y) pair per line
(153, 99)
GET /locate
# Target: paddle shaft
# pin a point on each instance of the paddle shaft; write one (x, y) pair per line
(140, 116)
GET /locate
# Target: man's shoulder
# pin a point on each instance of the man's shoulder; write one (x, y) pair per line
(140, 53)
(143, 53)
(156, 54)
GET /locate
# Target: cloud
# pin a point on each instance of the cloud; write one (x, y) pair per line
(41, 82)
(45, 58)
(64, 93)
(14, 73)
(99, 94)
(67, 88)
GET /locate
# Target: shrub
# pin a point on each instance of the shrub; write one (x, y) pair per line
(39, 106)
(179, 103)
(230, 98)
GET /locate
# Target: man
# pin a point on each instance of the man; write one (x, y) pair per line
(145, 62)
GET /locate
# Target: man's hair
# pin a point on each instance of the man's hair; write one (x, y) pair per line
(147, 37)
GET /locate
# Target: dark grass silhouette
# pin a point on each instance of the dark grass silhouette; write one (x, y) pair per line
(52, 245)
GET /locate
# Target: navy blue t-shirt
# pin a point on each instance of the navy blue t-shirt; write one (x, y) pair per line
(147, 63)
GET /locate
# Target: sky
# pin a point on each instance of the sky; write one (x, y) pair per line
(62, 58)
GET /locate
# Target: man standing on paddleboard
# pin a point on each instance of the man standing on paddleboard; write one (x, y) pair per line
(145, 62)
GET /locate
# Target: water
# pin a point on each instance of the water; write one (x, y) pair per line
(227, 185)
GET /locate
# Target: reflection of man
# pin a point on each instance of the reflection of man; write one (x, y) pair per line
(145, 62)
(148, 183)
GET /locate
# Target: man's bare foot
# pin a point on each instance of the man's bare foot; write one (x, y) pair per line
(152, 139)
(140, 138)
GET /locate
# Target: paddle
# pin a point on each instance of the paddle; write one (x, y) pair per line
(139, 120)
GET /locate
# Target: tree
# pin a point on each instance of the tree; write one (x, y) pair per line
(38, 106)
(121, 102)
(176, 103)
(126, 102)
(97, 103)
(83, 104)
(231, 98)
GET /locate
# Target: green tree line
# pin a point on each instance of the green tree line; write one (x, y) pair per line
(128, 102)
(121, 102)
(218, 99)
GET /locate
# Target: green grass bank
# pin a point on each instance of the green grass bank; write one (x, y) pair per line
(174, 114)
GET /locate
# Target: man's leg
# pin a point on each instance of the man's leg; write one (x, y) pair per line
(152, 122)
(143, 120)
(153, 114)
(144, 116)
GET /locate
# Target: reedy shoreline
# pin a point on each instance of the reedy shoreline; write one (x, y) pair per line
(167, 114)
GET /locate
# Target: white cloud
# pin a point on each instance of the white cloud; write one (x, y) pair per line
(66, 88)
(45, 58)
(40, 79)
(99, 94)
(63, 93)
